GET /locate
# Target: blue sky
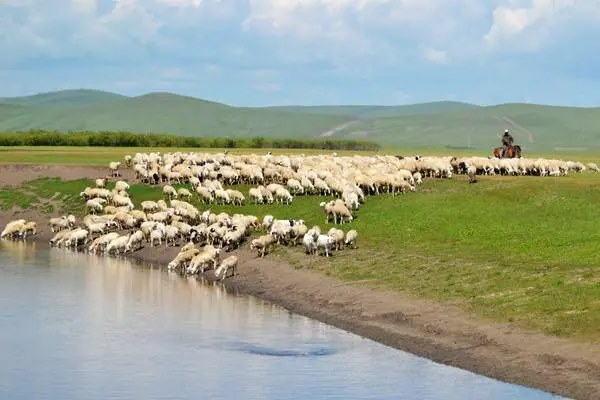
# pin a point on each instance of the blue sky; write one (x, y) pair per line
(273, 52)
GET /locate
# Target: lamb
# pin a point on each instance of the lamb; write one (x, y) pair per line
(262, 244)
(170, 192)
(351, 237)
(230, 263)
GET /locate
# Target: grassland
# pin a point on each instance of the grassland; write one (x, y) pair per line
(521, 249)
(537, 128)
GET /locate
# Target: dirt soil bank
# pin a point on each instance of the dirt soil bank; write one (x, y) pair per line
(440, 332)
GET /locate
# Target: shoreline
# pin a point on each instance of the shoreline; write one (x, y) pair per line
(441, 332)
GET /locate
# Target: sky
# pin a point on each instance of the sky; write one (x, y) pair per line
(310, 52)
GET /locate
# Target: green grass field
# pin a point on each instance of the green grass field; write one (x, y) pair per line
(520, 249)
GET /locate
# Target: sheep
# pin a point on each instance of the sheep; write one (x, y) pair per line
(60, 237)
(351, 237)
(295, 186)
(310, 244)
(262, 244)
(325, 243)
(101, 182)
(236, 197)
(418, 178)
(122, 201)
(256, 195)
(205, 194)
(202, 261)
(135, 241)
(13, 228)
(121, 186)
(282, 196)
(223, 196)
(169, 192)
(337, 235)
(101, 242)
(58, 224)
(156, 235)
(230, 263)
(75, 237)
(118, 245)
(128, 160)
(114, 168)
(472, 173)
(184, 194)
(182, 258)
(593, 167)
(94, 206)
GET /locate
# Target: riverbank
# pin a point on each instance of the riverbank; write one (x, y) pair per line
(438, 331)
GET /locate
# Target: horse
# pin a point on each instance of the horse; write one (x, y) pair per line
(511, 152)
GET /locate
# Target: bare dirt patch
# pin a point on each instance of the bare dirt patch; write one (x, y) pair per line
(15, 174)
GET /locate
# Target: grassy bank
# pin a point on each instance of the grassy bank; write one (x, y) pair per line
(521, 249)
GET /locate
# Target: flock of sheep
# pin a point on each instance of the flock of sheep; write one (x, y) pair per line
(114, 226)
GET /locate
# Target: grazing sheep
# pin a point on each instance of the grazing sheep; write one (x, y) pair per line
(351, 237)
(230, 263)
(256, 195)
(262, 244)
(182, 259)
(101, 182)
(184, 194)
(205, 194)
(121, 186)
(337, 235)
(94, 206)
(236, 197)
(12, 229)
(135, 241)
(118, 245)
(169, 192)
(283, 196)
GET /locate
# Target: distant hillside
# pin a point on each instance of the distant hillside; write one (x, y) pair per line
(370, 112)
(66, 98)
(438, 124)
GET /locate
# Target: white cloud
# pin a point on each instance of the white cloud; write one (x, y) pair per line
(85, 6)
(510, 21)
(182, 3)
(435, 56)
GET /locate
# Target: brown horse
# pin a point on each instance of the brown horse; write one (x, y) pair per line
(511, 152)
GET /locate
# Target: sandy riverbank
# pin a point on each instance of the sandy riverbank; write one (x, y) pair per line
(441, 332)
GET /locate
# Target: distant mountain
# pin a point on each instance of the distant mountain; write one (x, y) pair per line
(437, 124)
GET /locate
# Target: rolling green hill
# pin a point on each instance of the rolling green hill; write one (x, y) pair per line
(438, 124)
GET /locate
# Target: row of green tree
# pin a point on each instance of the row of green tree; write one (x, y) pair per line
(128, 139)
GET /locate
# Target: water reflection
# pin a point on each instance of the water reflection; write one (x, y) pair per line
(83, 326)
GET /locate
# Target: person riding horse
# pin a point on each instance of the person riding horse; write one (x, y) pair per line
(507, 141)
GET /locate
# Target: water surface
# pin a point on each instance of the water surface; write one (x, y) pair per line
(84, 327)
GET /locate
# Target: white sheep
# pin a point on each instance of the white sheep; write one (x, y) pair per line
(283, 196)
(262, 244)
(256, 195)
(351, 237)
(12, 229)
(325, 243)
(230, 263)
(170, 192)
(114, 168)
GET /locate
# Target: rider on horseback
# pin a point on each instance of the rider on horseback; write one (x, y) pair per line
(507, 141)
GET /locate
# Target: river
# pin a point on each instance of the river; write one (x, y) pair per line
(74, 326)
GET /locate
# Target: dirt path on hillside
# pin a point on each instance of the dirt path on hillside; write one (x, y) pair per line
(438, 331)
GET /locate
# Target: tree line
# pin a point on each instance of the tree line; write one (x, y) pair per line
(128, 139)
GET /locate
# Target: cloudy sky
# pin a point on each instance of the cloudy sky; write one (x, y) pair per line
(265, 52)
